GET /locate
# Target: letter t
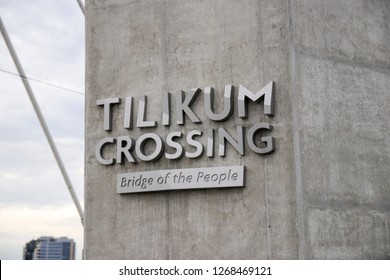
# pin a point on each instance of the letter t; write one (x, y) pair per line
(106, 103)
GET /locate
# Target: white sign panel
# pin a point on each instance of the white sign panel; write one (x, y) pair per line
(179, 179)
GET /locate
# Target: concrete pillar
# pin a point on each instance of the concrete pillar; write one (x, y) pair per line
(323, 193)
(341, 52)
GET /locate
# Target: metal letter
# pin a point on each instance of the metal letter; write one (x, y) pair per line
(141, 122)
(124, 149)
(266, 92)
(269, 140)
(99, 152)
(184, 106)
(128, 118)
(140, 147)
(210, 142)
(209, 104)
(107, 110)
(166, 118)
(239, 145)
(199, 147)
(179, 148)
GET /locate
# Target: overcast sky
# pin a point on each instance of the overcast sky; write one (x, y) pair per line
(49, 39)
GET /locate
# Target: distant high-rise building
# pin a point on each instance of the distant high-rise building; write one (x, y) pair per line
(50, 248)
(28, 252)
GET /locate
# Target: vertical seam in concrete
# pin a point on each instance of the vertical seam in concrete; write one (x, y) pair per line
(86, 90)
(387, 236)
(168, 230)
(260, 66)
(164, 64)
(267, 211)
(296, 138)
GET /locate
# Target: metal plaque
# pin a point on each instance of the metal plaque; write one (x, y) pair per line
(181, 179)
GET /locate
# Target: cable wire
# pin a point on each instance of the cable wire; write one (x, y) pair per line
(42, 82)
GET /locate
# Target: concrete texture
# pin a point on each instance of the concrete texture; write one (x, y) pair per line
(323, 194)
(341, 95)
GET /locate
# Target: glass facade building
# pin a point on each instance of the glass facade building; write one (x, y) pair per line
(50, 248)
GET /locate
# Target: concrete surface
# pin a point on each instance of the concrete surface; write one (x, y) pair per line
(342, 78)
(325, 191)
